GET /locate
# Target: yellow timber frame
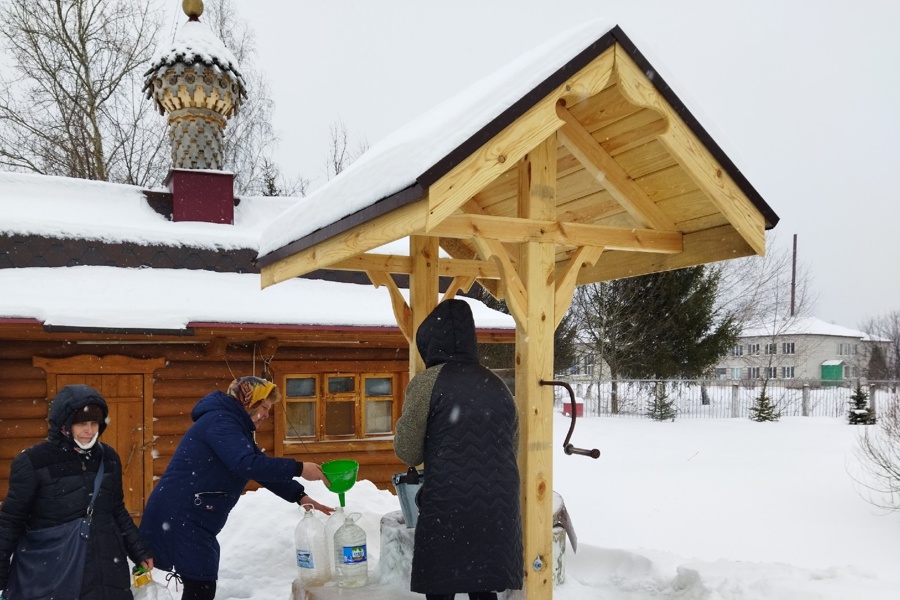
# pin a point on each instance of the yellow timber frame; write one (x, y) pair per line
(533, 251)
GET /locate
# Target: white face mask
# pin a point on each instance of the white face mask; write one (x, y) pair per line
(90, 444)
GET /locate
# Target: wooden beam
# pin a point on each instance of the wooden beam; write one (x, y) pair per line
(389, 263)
(586, 256)
(611, 176)
(512, 229)
(710, 245)
(693, 156)
(463, 284)
(513, 291)
(389, 227)
(423, 291)
(402, 312)
(505, 149)
(534, 363)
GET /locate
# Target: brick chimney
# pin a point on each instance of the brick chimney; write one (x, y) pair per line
(196, 82)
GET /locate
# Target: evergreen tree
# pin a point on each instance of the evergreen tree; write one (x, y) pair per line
(503, 356)
(662, 407)
(658, 326)
(859, 412)
(763, 409)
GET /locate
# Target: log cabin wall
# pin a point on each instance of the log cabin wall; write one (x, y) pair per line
(192, 370)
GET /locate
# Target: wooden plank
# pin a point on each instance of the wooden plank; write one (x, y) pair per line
(610, 174)
(25, 409)
(506, 148)
(389, 227)
(402, 313)
(423, 290)
(22, 428)
(507, 229)
(87, 363)
(693, 156)
(534, 356)
(721, 243)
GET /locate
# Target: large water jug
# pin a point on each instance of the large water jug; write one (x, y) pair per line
(313, 564)
(351, 568)
(334, 523)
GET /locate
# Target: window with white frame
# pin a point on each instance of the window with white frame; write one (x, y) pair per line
(737, 350)
(844, 349)
(787, 348)
(771, 372)
(787, 372)
(752, 372)
(752, 349)
(736, 372)
(771, 348)
(721, 373)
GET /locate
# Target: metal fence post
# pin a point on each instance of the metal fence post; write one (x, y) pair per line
(735, 400)
(872, 405)
(804, 404)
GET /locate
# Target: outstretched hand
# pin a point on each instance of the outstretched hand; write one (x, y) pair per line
(304, 500)
(313, 472)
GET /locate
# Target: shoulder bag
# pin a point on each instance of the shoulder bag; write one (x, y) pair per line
(50, 562)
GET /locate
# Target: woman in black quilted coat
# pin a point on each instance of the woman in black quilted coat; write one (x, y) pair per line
(460, 420)
(51, 483)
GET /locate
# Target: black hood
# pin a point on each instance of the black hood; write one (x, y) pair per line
(448, 334)
(70, 399)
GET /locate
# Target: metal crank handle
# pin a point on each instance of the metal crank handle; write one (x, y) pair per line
(570, 449)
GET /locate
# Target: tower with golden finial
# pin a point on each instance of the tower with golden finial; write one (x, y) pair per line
(195, 80)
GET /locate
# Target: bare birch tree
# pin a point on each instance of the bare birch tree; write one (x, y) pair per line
(70, 102)
(340, 155)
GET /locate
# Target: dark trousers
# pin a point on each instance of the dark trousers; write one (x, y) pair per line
(472, 596)
(198, 590)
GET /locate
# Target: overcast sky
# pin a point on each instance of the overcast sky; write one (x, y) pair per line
(803, 97)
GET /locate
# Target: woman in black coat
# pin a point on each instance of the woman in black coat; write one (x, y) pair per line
(51, 483)
(460, 420)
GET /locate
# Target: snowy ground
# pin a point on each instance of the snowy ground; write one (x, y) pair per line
(701, 509)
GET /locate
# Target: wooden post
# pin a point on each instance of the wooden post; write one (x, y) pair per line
(534, 362)
(423, 290)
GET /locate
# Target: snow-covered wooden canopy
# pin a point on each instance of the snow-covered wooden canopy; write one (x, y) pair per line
(577, 164)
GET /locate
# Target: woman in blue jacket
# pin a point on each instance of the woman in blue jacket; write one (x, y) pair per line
(216, 458)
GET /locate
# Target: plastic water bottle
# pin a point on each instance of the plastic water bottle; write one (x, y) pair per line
(351, 567)
(334, 523)
(313, 565)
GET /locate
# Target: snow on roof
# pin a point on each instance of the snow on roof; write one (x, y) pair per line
(804, 326)
(113, 297)
(63, 207)
(86, 296)
(396, 161)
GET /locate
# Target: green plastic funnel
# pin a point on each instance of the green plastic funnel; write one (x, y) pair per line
(342, 475)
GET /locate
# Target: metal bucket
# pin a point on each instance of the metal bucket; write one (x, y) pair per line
(408, 486)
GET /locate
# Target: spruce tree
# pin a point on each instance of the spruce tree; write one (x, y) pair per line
(859, 412)
(763, 409)
(662, 407)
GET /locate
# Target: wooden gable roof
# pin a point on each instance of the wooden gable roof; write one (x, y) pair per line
(641, 187)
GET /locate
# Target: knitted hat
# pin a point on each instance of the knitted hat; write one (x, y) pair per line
(90, 412)
(251, 391)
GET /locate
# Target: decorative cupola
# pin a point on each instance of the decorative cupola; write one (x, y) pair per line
(196, 81)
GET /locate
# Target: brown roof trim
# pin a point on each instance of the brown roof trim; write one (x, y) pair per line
(381, 207)
(292, 327)
(354, 328)
(506, 118)
(188, 332)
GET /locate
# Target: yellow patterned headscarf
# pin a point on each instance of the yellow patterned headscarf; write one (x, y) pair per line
(251, 391)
